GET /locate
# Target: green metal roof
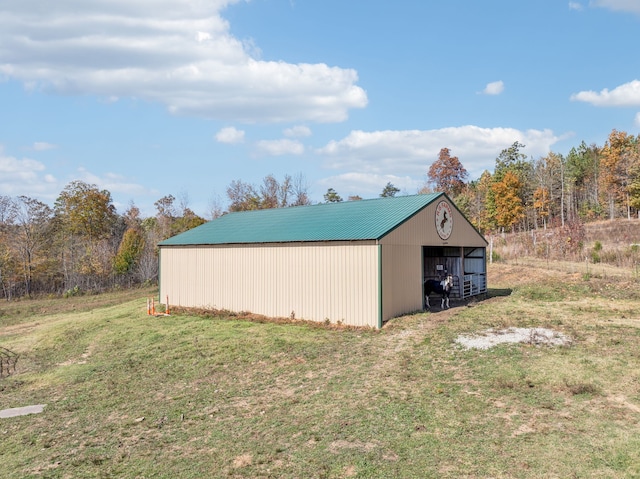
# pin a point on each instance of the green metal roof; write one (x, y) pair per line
(344, 221)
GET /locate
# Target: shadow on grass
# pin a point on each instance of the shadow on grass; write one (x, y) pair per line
(496, 292)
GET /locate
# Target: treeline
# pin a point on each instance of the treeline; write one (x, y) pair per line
(82, 244)
(522, 194)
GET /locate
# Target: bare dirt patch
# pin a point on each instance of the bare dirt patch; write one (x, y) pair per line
(82, 360)
(18, 329)
(624, 402)
(243, 460)
(534, 336)
(340, 444)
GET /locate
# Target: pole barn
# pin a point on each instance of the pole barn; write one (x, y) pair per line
(359, 263)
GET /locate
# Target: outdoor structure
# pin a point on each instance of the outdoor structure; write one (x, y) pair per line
(360, 263)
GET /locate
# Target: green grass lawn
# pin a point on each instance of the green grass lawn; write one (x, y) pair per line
(189, 396)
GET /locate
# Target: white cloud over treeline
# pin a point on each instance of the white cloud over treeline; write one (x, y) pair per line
(18, 173)
(410, 152)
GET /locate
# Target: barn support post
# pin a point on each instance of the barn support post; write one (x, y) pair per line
(379, 286)
(159, 274)
(422, 277)
(380, 311)
(461, 273)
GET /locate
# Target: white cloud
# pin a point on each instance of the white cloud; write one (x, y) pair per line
(230, 135)
(43, 146)
(575, 6)
(30, 178)
(410, 152)
(297, 132)
(203, 36)
(627, 94)
(280, 147)
(179, 53)
(25, 177)
(112, 182)
(12, 168)
(632, 6)
(494, 88)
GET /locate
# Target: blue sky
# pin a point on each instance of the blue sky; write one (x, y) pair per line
(154, 97)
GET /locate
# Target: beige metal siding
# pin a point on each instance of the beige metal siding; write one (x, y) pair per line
(317, 281)
(401, 280)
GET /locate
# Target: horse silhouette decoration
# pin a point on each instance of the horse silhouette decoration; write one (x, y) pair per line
(439, 287)
(443, 222)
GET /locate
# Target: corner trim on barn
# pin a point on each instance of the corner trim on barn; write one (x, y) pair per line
(380, 310)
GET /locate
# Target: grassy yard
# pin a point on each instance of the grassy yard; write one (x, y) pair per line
(188, 396)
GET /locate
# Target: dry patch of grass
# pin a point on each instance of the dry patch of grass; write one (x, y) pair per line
(27, 313)
(600, 248)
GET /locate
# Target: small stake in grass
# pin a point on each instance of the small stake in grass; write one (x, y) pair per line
(151, 308)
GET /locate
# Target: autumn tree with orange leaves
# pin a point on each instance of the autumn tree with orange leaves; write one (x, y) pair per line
(620, 163)
(509, 209)
(542, 204)
(447, 173)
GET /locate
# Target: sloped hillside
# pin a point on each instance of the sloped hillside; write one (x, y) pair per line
(614, 242)
(618, 233)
